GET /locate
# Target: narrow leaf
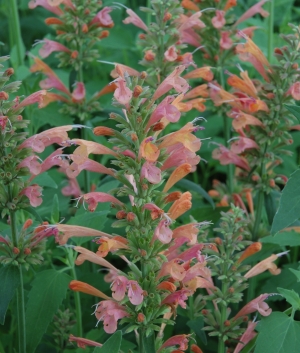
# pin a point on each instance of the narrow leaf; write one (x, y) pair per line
(112, 345)
(289, 205)
(10, 280)
(196, 325)
(48, 290)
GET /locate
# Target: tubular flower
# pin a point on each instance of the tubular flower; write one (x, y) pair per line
(202, 72)
(252, 249)
(103, 18)
(244, 84)
(178, 298)
(266, 264)
(178, 174)
(34, 193)
(83, 342)
(180, 340)
(122, 93)
(50, 46)
(163, 232)
(257, 304)
(257, 8)
(93, 198)
(111, 244)
(225, 156)
(135, 20)
(78, 286)
(181, 205)
(246, 337)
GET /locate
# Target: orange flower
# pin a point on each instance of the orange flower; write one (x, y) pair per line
(86, 254)
(78, 286)
(243, 84)
(250, 250)
(178, 174)
(149, 150)
(168, 286)
(229, 4)
(181, 205)
(202, 72)
(266, 264)
(111, 244)
(197, 91)
(189, 5)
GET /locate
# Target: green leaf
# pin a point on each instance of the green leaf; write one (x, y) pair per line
(55, 210)
(112, 345)
(291, 238)
(48, 290)
(196, 325)
(45, 179)
(10, 280)
(191, 186)
(271, 204)
(291, 297)
(294, 109)
(296, 273)
(289, 205)
(278, 333)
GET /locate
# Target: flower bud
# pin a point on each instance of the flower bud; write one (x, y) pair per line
(84, 28)
(104, 34)
(133, 137)
(227, 323)
(130, 216)
(142, 36)
(196, 349)
(204, 312)
(121, 215)
(137, 91)
(272, 183)
(103, 131)
(16, 250)
(167, 16)
(144, 186)
(27, 224)
(9, 72)
(278, 51)
(149, 55)
(158, 126)
(27, 251)
(295, 66)
(252, 249)
(231, 290)
(141, 317)
(143, 75)
(74, 54)
(218, 241)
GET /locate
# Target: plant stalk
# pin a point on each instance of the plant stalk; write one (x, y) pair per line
(16, 34)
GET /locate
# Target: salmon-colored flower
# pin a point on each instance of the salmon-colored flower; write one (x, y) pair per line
(189, 5)
(93, 198)
(103, 18)
(219, 21)
(266, 264)
(148, 150)
(178, 174)
(202, 72)
(197, 91)
(294, 91)
(241, 120)
(180, 206)
(180, 340)
(122, 93)
(257, 304)
(244, 84)
(257, 8)
(187, 22)
(189, 231)
(229, 4)
(179, 154)
(86, 254)
(50, 46)
(135, 293)
(32, 164)
(225, 41)
(75, 168)
(155, 211)
(242, 144)
(87, 147)
(178, 298)
(250, 250)
(164, 110)
(162, 232)
(78, 94)
(135, 20)
(225, 156)
(111, 244)
(246, 337)
(84, 342)
(78, 286)
(171, 53)
(45, 3)
(150, 172)
(36, 97)
(110, 312)
(173, 268)
(34, 193)
(168, 286)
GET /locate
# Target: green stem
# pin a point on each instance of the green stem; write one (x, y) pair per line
(77, 298)
(21, 315)
(221, 344)
(271, 31)
(258, 214)
(14, 19)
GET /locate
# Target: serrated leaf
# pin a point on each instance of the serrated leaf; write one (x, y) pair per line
(294, 109)
(48, 290)
(196, 325)
(289, 204)
(283, 239)
(112, 345)
(278, 333)
(191, 186)
(290, 296)
(10, 280)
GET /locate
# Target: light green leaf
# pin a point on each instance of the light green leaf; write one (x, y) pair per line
(278, 333)
(290, 296)
(296, 273)
(55, 210)
(48, 290)
(10, 280)
(289, 205)
(112, 345)
(191, 186)
(294, 109)
(291, 238)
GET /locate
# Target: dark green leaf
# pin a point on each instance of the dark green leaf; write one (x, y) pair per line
(191, 186)
(271, 204)
(290, 296)
(10, 280)
(278, 333)
(294, 109)
(196, 325)
(296, 273)
(45, 179)
(283, 239)
(48, 290)
(289, 205)
(55, 210)
(112, 345)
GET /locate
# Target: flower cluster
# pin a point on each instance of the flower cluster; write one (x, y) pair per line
(165, 262)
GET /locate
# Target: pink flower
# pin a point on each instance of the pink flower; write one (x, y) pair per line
(219, 20)
(246, 337)
(294, 91)
(225, 156)
(78, 94)
(225, 41)
(241, 119)
(172, 81)
(191, 253)
(155, 211)
(3, 122)
(178, 155)
(178, 298)
(72, 189)
(34, 193)
(51, 46)
(87, 147)
(93, 198)
(36, 97)
(110, 312)
(180, 340)
(189, 231)
(53, 82)
(254, 305)
(53, 160)
(118, 287)
(189, 36)
(257, 8)
(83, 342)
(162, 232)
(135, 20)
(192, 21)
(103, 19)
(164, 110)
(150, 172)
(88, 164)
(32, 164)
(173, 268)
(88, 255)
(242, 144)
(171, 53)
(135, 293)
(44, 3)
(122, 93)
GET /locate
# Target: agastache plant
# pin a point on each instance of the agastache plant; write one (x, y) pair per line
(164, 260)
(259, 117)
